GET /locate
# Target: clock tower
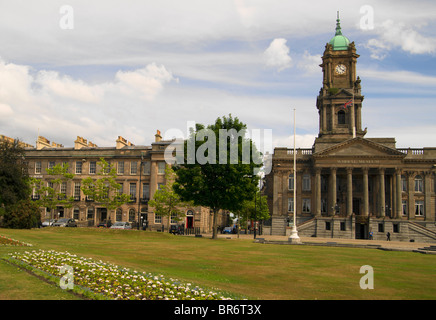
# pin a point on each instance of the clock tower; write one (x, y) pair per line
(339, 102)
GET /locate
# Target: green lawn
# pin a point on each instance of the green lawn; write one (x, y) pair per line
(252, 270)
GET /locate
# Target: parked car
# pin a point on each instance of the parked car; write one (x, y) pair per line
(65, 222)
(229, 230)
(48, 223)
(121, 225)
(176, 229)
(104, 224)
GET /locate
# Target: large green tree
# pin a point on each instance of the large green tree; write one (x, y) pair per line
(219, 167)
(14, 179)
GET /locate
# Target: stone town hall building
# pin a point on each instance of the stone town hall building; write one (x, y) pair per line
(349, 186)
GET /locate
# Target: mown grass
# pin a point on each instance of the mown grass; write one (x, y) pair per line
(239, 266)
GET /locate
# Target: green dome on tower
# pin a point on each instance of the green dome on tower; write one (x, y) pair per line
(339, 41)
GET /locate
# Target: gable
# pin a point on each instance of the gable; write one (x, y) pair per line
(358, 147)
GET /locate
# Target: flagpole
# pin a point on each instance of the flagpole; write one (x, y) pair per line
(294, 238)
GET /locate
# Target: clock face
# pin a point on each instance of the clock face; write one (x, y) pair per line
(340, 69)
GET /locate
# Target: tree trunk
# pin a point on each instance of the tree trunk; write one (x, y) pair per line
(214, 226)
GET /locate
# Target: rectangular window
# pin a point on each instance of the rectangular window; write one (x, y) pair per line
(132, 191)
(161, 167)
(77, 191)
(120, 168)
(327, 225)
(120, 189)
(419, 208)
(419, 185)
(396, 228)
(92, 167)
(324, 205)
(146, 168)
(306, 182)
(64, 189)
(76, 213)
(381, 227)
(38, 167)
(157, 218)
(51, 164)
(133, 167)
(343, 226)
(78, 167)
(291, 182)
(291, 204)
(403, 184)
(306, 205)
(146, 191)
(404, 203)
(173, 219)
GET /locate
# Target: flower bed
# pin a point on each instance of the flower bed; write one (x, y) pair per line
(5, 241)
(111, 281)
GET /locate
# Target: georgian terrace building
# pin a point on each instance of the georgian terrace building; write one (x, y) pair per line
(349, 186)
(139, 180)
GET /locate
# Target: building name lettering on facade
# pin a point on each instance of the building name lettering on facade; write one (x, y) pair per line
(358, 161)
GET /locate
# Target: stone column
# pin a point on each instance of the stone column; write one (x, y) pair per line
(333, 195)
(399, 205)
(318, 191)
(365, 192)
(382, 204)
(427, 197)
(411, 194)
(349, 192)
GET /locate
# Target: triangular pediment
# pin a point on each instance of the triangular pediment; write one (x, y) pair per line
(358, 147)
(344, 92)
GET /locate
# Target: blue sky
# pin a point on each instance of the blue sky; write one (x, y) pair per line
(129, 68)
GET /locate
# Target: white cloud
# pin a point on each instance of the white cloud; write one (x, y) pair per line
(397, 35)
(277, 55)
(310, 63)
(52, 83)
(5, 111)
(148, 81)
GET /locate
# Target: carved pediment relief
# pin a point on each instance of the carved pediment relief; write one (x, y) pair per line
(359, 147)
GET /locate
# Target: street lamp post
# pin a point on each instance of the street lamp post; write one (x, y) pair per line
(294, 238)
(139, 195)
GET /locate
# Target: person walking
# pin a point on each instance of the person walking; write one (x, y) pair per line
(388, 236)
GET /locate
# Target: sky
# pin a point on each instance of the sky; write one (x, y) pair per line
(103, 69)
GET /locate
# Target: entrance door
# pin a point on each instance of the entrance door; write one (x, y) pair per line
(102, 213)
(189, 222)
(356, 206)
(361, 231)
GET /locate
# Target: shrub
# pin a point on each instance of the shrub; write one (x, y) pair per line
(23, 215)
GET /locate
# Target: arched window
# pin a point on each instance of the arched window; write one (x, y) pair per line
(341, 117)
(131, 215)
(119, 215)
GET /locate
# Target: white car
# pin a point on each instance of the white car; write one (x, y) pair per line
(121, 225)
(48, 223)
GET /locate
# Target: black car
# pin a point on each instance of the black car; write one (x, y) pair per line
(104, 224)
(176, 229)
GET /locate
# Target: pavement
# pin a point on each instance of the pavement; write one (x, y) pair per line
(337, 242)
